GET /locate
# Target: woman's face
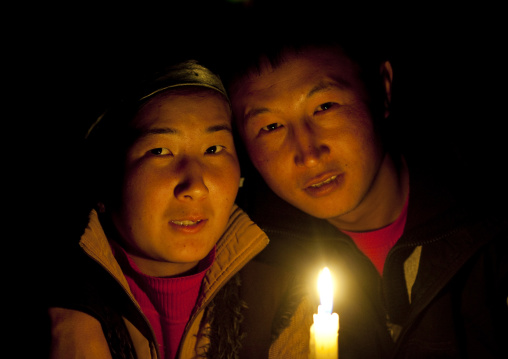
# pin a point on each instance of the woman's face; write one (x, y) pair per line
(181, 180)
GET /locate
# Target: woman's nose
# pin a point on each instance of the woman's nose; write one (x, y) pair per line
(191, 185)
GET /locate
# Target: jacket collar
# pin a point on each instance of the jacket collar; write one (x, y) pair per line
(95, 243)
(239, 244)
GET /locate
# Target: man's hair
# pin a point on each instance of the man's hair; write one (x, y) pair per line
(267, 33)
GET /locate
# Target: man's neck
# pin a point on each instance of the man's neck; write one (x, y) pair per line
(382, 204)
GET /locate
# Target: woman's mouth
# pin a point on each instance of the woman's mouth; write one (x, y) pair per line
(186, 223)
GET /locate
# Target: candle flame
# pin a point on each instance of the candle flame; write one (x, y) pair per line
(325, 289)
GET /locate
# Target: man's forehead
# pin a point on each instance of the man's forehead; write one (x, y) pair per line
(310, 71)
(309, 62)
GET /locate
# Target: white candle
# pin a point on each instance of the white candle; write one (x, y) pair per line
(324, 333)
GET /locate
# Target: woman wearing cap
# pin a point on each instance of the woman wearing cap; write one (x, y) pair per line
(165, 267)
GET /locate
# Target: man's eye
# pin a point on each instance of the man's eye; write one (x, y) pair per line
(214, 149)
(271, 127)
(325, 106)
(161, 151)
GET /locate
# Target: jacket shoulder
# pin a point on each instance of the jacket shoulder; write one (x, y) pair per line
(87, 293)
(76, 334)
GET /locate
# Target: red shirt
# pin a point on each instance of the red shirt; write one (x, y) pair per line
(376, 244)
(168, 303)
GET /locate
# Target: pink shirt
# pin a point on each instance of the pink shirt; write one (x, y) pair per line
(168, 303)
(376, 244)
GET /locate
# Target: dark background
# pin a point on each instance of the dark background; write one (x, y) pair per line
(449, 91)
(65, 63)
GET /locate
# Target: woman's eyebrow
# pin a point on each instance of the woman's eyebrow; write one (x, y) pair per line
(146, 132)
(217, 128)
(142, 133)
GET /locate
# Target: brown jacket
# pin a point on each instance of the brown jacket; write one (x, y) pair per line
(275, 319)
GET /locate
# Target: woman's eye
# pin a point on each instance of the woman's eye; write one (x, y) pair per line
(271, 127)
(214, 149)
(161, 151)
(325, 106)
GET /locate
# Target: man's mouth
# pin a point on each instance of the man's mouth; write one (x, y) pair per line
(326, 181)
(324, 185)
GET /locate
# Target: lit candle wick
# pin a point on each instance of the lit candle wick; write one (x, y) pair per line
(325, 291)
(324, 333)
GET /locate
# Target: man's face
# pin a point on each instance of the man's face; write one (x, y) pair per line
(309, 131)
(181, 180)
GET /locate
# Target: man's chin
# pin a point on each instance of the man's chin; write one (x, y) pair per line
(320, 210)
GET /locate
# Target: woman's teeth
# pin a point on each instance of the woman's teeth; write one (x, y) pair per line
(186, 223)
(317, 185)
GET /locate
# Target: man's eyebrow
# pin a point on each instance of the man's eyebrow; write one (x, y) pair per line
(322, 86)
(326, 85)
(254, 112)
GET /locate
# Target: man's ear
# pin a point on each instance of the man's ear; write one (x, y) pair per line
(386, 72)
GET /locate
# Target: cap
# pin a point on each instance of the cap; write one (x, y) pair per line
(187, 73)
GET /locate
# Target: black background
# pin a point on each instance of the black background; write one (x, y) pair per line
(64, 63)
(449, 89)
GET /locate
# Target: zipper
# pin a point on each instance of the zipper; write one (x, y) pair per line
(257, 248)
(413, 314)
(396, 247)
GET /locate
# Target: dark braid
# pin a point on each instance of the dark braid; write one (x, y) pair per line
(117, 335)
(225, 317)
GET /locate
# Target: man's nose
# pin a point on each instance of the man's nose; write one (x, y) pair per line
(191, 185)
(309, 148)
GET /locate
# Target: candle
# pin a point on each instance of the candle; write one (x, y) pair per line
(324, 333)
